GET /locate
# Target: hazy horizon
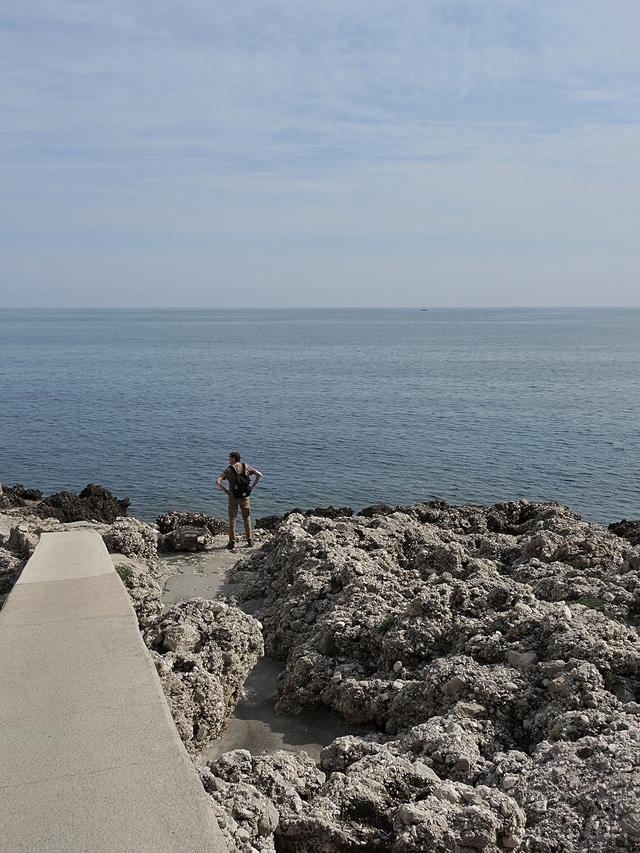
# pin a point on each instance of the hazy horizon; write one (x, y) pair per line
(168, 306)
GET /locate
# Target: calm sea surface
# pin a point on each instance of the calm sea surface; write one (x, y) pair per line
(349, 407)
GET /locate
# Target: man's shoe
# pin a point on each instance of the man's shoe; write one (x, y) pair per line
(231, 546)
(249, 543)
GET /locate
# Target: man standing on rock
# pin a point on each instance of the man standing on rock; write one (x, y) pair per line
(240, 487)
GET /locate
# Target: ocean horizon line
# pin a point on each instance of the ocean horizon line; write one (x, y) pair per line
(315, 308)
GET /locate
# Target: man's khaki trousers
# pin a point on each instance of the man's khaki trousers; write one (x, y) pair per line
(245, 509)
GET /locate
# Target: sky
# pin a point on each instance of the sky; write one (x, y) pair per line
(269, 153)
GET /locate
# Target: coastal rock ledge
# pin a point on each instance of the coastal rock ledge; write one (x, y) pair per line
(494, 651)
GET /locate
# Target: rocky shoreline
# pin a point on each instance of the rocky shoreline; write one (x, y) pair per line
(494, 651)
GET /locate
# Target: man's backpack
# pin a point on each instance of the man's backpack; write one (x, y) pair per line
(241, 487)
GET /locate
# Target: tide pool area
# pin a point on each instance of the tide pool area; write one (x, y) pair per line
(342, 407)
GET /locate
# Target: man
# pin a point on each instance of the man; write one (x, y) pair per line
(230, 474)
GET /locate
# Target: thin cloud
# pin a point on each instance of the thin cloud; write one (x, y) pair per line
(451, 121)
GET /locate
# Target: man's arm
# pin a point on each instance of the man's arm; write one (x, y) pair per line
(258, 476)
(220, 486)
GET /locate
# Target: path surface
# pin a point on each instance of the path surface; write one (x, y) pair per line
(199, 575)
(90, 759)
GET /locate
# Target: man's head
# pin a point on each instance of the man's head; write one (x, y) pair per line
(234, 457)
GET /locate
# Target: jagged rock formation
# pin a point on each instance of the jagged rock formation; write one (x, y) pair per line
(94, 503)
(17, 495)
(497, 647)
(11, 566)
(203, 651)
(272, 522)
(132, 538)
(254, 796)
(627, 530)
(374, 795)
(353, 803)
(140, 577)
(173, 520)
(323, 512)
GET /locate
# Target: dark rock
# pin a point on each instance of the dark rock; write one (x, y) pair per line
(629, 530)
(31, 495)
(95, 503)
(330, 512)
(272, 522)
(18, 496)
(515, 517)
(268, 522)
(376, 509)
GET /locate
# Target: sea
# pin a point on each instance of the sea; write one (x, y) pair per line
(341, 407)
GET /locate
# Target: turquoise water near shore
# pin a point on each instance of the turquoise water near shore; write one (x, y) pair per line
(349, 407)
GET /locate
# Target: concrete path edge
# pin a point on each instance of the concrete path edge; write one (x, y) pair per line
(91, 760)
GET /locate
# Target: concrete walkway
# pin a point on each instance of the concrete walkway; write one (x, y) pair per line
(90, 760)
